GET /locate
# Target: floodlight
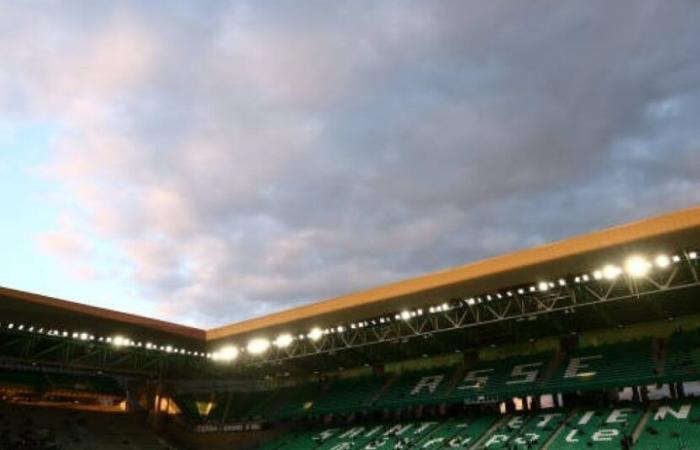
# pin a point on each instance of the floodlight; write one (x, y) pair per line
(315, 334)
(662, 261)
(542, 286)
(637, 266)
(283, 340)
(84, 336)
(598, 274)
(405, 315)
(119, 341)
(611, 271)
(225, 354)
(258, 345)
(693, 255)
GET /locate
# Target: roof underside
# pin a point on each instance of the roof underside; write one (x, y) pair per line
(47, 312)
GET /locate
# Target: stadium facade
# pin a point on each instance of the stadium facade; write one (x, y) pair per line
(589, 342)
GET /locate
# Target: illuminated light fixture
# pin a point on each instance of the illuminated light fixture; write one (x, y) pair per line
(521, 291)
(381, 320)
(169, 349)
(21, 327)
(420, 311)
(509, 293)
(315, 334)
(225, 354)
(352, 325)
(75, 335)
(542, 286)
(610, 272)
(340, 329)
(498, 295)
(585, 277)
(598, 274)
(693, 255)
(84, 336)
(283, 341)
(662, 261)
(397, 317)
(676, 258)
(637, 266)
(405, 315)
(533, 288)
(562, 282)
(470, 301)
(119, 341)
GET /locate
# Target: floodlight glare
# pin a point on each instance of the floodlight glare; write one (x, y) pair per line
(610, 272)
(119, 341)
(405, 315)
(258, 345)
(637, 266)
(542, 286)
(315, 334)
(662, 261)
(225, 354)
(283, 341)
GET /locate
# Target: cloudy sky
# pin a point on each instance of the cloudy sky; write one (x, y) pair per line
(206, 162)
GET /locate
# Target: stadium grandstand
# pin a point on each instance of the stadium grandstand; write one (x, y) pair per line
(592, 342)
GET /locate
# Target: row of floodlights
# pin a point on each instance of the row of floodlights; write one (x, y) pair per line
(635, 266)
(117, 341)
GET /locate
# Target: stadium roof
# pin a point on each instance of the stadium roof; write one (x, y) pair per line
(46, 311)
(665, 233)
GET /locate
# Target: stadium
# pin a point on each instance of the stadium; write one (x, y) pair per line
(589, 342)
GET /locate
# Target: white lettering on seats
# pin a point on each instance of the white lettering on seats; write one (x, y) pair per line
(352, 432)
(516, 422)
(325, 434)
(526, 438)
(423, 426)
(458, 442)
(475, 379)
(521, 371)
(682, 413)
(546, 418)
(397, 429)
(619, 415)
(571, 437)
(378, 443)
(430, 383)
(586, 417)
(605, 435)
(341, 446)
(496, 439)
(373, 431)
(432, 441)
(576, 364)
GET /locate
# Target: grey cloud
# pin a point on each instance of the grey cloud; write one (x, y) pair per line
(274, 154)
